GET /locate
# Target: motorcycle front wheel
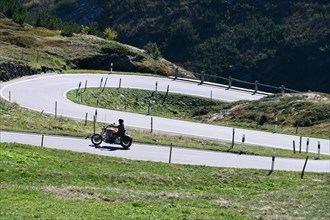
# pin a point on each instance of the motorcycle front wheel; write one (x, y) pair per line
(96, 139)
(126, 141)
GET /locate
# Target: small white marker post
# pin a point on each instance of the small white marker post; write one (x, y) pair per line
(242, 145)
(319, 150)
(95, 114)
(233, 138)
(273, 163)
(55, 109)
(85, 85)
(307, 145)
(86, 119)
(42, 140)
(170, 159)
(303, 171)
(101, 81)
(105, 83)
(94, 122)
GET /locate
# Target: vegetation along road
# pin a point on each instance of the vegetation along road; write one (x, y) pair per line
(47, 94)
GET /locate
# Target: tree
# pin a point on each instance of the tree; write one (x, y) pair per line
(109, 34)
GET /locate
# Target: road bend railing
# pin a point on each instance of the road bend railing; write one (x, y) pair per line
(233, 83)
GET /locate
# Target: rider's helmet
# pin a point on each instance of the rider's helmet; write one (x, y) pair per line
(121, 121)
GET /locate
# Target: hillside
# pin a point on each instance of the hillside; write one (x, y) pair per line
(27, 50)
(274, 42)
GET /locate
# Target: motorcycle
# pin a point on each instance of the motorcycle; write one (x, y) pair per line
(107, 135)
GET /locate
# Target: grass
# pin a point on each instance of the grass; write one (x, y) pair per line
(16, 118)
(40, 47)
(137, 101)
(46, 183)
(311, 114)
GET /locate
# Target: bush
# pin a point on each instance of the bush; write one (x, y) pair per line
(152, 49)
(109, 34)
(263, 119)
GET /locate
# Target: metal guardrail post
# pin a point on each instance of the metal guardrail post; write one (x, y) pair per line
(256, 87)
(202, 77)
(282, 89)
(176, 72)
(230, 81)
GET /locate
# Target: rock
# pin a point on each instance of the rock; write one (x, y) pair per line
(13, 70)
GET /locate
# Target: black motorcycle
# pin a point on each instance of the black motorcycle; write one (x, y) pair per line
(108, 136)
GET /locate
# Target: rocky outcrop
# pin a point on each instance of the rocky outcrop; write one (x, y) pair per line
(2, 15)
(11, 70)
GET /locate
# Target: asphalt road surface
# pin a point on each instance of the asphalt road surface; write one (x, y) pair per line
(162, 153)
(47, 93)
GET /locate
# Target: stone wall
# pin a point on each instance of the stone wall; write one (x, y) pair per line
(13, 70)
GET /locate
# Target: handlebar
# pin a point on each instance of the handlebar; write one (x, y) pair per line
(111, 125)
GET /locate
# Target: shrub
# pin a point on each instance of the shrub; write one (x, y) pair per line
(109, 34)
(263, 119)
(152, 49)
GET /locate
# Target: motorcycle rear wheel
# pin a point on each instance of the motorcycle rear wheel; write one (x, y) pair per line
(96, 139)
(126, 141)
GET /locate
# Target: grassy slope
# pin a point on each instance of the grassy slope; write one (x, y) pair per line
(311, 111)
(46, 183)
(16, 118)
(38, 47)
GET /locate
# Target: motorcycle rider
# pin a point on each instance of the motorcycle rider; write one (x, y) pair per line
(120, 130)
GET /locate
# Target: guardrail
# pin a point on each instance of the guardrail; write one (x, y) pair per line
(230, 82)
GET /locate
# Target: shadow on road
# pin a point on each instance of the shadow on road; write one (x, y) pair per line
(108, 148)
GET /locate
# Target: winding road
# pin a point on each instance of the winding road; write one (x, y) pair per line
(44, 92)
